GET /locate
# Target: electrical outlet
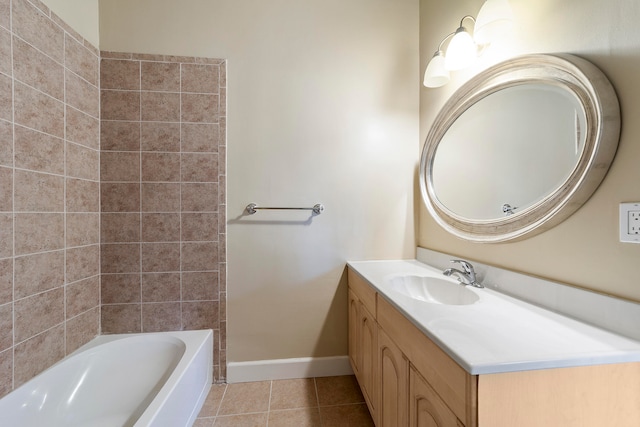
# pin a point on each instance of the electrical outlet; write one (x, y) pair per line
(630, 222)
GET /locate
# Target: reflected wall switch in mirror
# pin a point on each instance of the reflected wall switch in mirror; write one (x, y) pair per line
(630, 222)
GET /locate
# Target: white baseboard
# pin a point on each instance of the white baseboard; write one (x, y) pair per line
(283, 369)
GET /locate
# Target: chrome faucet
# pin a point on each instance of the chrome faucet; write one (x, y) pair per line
(466, 277)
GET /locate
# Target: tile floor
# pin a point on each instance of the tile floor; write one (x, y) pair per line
(308, 402)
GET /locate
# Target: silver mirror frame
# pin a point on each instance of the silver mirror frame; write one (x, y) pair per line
(602, 111)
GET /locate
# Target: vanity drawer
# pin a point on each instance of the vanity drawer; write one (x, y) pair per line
(363, 290)
(456, 387)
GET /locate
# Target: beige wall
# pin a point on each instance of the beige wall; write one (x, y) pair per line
(322, 108)
(584, 250)
(81, 15)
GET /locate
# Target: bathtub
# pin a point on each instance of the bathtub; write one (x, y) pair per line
(141, 380)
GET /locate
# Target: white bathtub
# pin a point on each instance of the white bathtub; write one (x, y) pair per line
(141, 380)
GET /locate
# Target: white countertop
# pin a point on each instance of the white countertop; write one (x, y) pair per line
(499, 333)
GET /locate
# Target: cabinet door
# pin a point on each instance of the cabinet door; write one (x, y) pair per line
(393, 405)
(368, 343)
(354, 320)
(426, 409)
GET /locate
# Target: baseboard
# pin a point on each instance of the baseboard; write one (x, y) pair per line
(283, 369)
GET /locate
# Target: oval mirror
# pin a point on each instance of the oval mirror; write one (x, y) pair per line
(520, 147)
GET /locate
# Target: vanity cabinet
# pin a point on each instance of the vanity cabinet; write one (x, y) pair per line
(363, 342)
(408, 380)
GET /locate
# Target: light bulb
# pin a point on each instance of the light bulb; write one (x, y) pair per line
(462, 50)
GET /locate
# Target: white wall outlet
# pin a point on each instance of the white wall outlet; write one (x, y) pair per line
(630, 222)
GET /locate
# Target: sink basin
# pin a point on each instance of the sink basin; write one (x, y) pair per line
(433, 290)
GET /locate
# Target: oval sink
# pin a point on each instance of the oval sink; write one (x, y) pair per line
(433, 290)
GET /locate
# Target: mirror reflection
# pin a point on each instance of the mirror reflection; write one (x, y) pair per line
(508, 151)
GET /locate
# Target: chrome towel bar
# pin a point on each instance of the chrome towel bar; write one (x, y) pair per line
(253, 208)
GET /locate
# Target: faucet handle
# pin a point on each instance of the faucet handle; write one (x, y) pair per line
(466, 266)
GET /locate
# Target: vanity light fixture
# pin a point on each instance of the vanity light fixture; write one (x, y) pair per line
(495, 18)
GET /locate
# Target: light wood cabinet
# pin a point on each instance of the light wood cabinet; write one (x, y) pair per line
(426, 409)
(408, 380)
(393, 383)
(363, 346)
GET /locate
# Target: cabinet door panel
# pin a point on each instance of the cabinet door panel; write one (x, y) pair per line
(426, 409)
(394, 375)
(354, 320)
(368, 332)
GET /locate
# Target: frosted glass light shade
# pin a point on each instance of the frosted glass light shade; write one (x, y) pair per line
(436, 74)
(461, 52)
(494, 20)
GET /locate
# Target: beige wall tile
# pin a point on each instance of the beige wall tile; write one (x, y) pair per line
(82, 229)
(200, 137)
(160, 287)
(120, 105)
(120, 258)
(161, 167)
(6, 235)
(199, 197)
(83, 262)
(199, 226)
(6, 189)
(160, 227)
(200, 286)
(6, 143)
(81, 60)
(38, 313)
(38, 151)
(120, 227)
(38, 353)
(160, 106)
(6, 98)
(120, 136)
(200, 315)
(82, 195)
(5, 13)
(82, 329)
(199, 108)
(5, 51)
(199, 167)
(38, 70)
(37, 192)
(38, 232)
(37, 29)
(159, 136)
(120, 166)
(160, 257)
(38, 273)
(82, 162)
(161, 197)
(119, 74)
(121, 318)
(160, 76)
(6, 364)
(6, 280)
(199, 256)
(158, 317)
(120, 288)
(200, 78)
(82, 95)
(82, 296)
(82, 129)
(120, 197)
(6, 326)
(36, 110)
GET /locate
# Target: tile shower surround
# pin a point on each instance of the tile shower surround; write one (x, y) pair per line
(50, 198)
(49, 191)
(162, 195)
